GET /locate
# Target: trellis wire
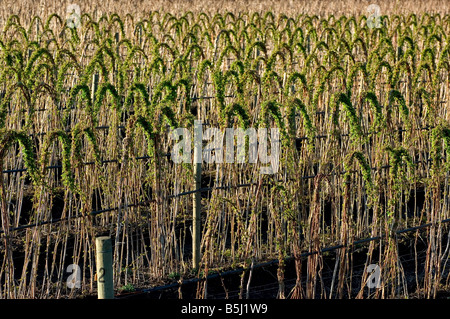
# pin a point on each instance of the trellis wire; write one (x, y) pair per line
(203, 189)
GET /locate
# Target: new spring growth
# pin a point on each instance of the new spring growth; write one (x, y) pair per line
(256, 147)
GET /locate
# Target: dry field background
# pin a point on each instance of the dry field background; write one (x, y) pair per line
(27, 9)
(84, 119)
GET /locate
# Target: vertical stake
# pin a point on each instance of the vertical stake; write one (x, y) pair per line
(197, 195)
(105, 284)
(94, 87)
(116, 69)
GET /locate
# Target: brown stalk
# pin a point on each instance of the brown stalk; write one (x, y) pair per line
(315, 259)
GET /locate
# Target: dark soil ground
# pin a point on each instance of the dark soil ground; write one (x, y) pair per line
(264, 284)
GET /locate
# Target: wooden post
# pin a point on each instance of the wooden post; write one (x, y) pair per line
(94, 87)
(116, 69)
(140, 34)
(196, 230)
(105, 284)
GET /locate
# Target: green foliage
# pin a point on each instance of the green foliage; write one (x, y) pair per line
(336, 101)
(319, 79)
(438, 134)
(379, 122)
(366, 171)
(240, 112)
(395, 95)
(294, 105)
(138, 92)
(272, 108)
(7, 138)
(146, 125)
(100, 96)
(127, 288)
(63, 137)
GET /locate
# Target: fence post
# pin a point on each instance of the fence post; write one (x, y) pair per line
(105, 284)
(196, 231)
(115, 68)
(94, 86)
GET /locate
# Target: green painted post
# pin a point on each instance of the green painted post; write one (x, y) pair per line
(105, 285)
(94, 87)
(197, 197)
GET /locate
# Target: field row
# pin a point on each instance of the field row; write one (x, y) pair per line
(86, 114)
